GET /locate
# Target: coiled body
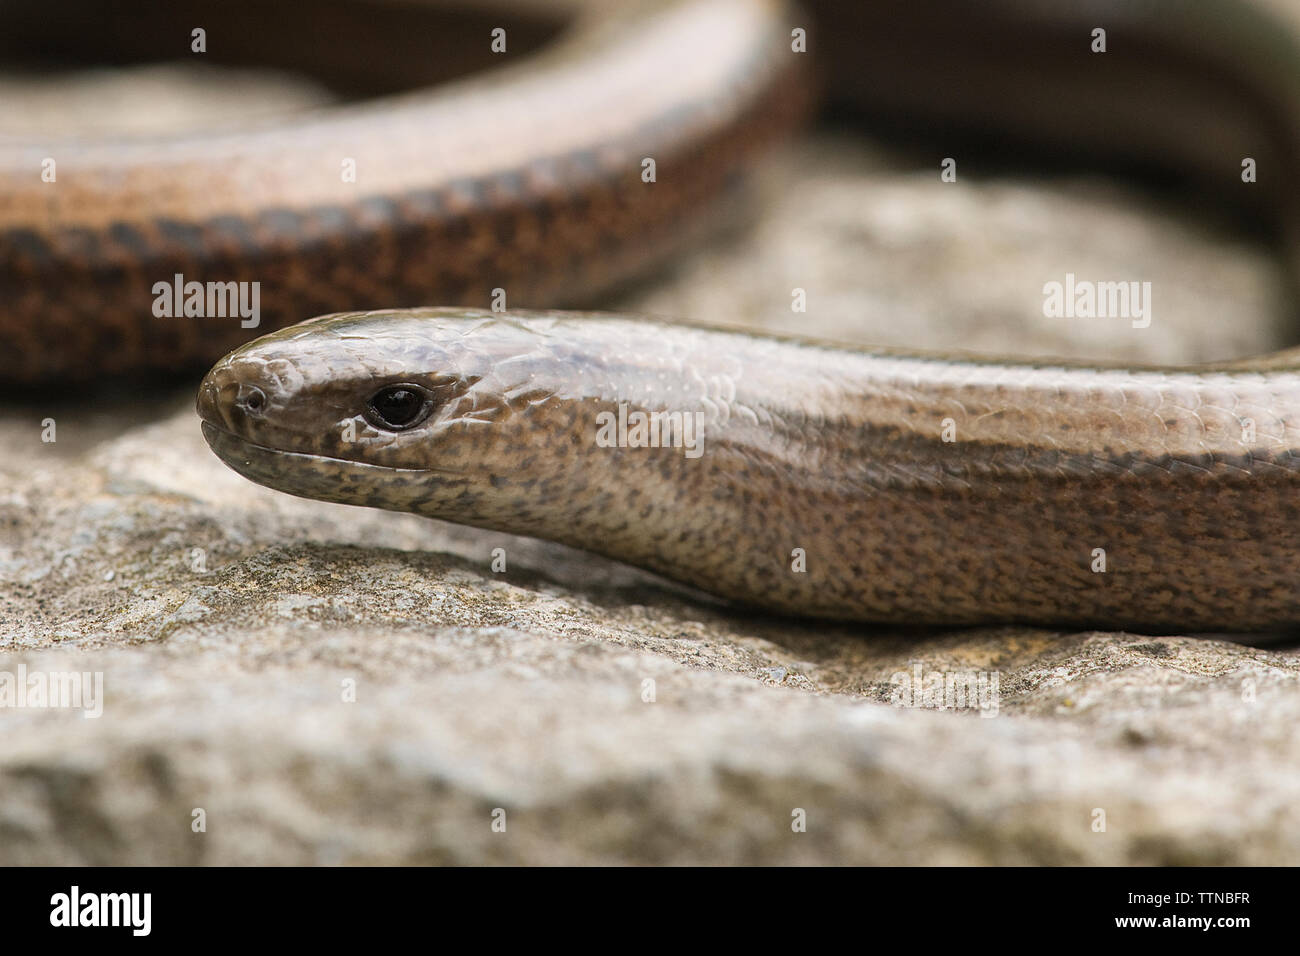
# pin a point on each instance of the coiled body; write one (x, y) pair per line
(528, 179)
(531, 177)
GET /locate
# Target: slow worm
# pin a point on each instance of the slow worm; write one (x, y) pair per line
(794, 476)
(790, 475)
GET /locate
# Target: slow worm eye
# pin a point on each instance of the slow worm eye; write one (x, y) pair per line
(398, 407)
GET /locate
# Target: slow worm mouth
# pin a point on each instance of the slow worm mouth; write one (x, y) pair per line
(233, 450)
(262, 463)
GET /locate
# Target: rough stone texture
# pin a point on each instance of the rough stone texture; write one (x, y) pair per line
(229, 622)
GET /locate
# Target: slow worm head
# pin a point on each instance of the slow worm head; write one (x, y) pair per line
(798, 476)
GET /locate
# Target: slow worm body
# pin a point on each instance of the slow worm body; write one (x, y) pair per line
(527, 178)
(795, 476)
(789, 475)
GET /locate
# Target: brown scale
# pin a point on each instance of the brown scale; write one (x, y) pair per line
(805, 446)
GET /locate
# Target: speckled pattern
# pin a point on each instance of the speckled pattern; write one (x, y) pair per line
(805, 446)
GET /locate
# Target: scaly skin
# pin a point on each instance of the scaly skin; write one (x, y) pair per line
(1187, 480)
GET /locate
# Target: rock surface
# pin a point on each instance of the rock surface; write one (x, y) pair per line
(320, 684)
